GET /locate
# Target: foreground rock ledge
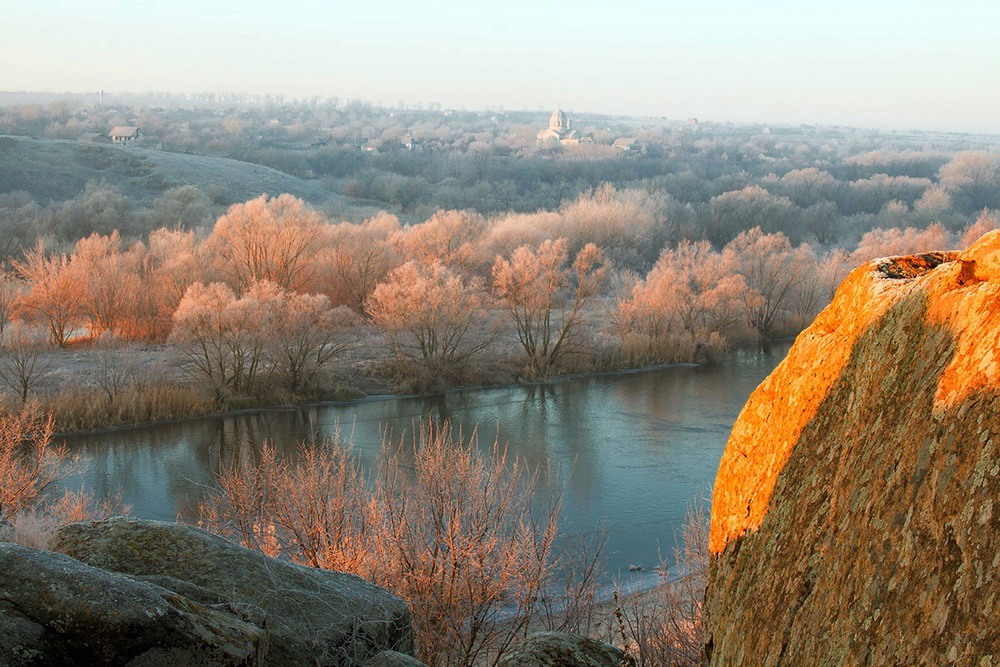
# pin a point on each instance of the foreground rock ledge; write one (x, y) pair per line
(148, 593)
(559, 649)
(55, 610)
(853, 514)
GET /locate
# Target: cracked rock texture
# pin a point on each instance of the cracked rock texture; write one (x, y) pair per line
(853, 515)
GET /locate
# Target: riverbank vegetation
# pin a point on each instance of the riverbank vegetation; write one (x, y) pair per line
(463, 533)
(449, 248)
(31, 465)
(276, 304)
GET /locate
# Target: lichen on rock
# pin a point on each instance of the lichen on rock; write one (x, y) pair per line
(311, 616)
(560, 649)
(853, 518)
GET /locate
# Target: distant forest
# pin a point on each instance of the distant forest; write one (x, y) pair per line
(709, 181)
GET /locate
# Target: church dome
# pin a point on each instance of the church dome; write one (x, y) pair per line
(559, 120)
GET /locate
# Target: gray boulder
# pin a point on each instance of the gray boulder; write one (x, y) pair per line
(314, 617)
(393, 659)
(558, 649)
(55, 610)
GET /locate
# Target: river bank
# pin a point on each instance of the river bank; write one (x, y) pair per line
(90, 388)
(631, 449)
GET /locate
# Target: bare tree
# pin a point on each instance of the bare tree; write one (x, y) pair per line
(622, 224)
(986, 222)
(448, 237)
(29, 462)
(359, 257)
(772, 271)
(305, 334)
(24, 363)
(458, 531)
(933, 204)
(233, 342)
(11, 291)
(901, 241)
(431, 317)
(220, 337)
(171, 262)
(741, 210)
(545, 297)
(809, 186)
(116, 367)
(974, 177)
(109, 283)
(663, 628)
(274, 240)
(690, 294)
(54, 293)
(184, 207)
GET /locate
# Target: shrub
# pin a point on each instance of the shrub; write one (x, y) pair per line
(457, 532)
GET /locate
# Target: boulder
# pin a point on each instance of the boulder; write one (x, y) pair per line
(393, 659)
(853, 516)
(55, 610)
(558, 649)
(314, 617)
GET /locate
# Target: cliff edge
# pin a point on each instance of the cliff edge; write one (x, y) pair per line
(853, 514)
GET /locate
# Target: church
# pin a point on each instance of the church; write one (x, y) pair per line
(559, 130)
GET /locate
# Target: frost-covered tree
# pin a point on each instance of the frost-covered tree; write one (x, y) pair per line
(545, 296)
(432, 318)
(267, 239)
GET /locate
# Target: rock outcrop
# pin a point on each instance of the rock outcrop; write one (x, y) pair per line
(55, 610)
(393, 659)
(853, 517)
(309, 617)
(559, 649)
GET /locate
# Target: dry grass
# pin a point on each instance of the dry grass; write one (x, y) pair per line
(662, 627)
(87, 409)
(35, 527)
(29, 465)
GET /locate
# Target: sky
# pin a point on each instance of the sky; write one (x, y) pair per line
(875, 63)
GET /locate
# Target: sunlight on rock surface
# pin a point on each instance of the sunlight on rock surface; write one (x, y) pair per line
(853, 513)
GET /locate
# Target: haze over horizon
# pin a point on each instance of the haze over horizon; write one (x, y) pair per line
(886, 65)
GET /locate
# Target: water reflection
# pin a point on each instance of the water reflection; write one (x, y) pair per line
(633, 449)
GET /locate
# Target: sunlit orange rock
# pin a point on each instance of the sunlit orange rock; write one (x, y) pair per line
(853, 514)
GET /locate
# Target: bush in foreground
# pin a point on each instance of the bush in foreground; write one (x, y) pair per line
(457, 532)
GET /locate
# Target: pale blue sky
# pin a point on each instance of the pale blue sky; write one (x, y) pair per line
(886, 64)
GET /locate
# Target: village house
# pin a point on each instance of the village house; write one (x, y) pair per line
(125, 135)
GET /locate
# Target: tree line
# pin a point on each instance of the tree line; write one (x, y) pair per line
(274, 291)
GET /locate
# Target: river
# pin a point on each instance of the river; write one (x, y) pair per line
(634, 450)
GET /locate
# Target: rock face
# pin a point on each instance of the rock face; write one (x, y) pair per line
(558, 649)
(312, 617)
(55, 610)
(853, 517)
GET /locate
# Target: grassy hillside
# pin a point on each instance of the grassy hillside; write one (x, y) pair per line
(55, 170)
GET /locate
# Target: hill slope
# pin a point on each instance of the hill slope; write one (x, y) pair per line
(51, 169)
